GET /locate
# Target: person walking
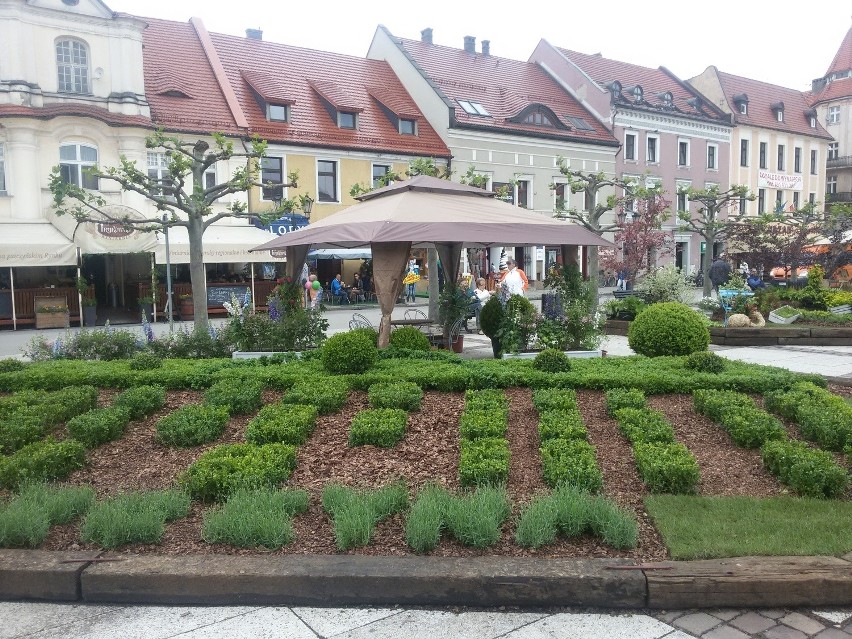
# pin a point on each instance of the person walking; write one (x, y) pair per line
(482, 295)
(720, 272)
(513, 279)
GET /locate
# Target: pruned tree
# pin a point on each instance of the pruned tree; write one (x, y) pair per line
(642, 239)
(596, 207)
(712, 221)
(180, 193)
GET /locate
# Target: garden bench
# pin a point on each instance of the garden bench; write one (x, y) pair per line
(620, 295)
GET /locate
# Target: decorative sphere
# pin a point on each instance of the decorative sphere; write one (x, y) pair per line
(316, 285)
(307, 286)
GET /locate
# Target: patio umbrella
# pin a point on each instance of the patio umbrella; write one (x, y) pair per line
(427, 212)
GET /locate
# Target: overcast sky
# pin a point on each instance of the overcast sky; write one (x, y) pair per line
(785, 42)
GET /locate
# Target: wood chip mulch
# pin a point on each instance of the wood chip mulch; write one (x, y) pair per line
(428, 453)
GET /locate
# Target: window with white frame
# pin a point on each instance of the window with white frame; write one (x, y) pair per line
(831, 184)
(712, 156)
(812, 198)
(74, 162)
(653, 149)
(72, 66)
(683, 152)
(762, 156)
(743, 152)
(158, 172)
(272, 172)
(780, 114)
(682, 196)
(2, 169)
(797, 160)
(744, 108)
(781, 152)
(522, 188)
(742, 208)
(833, 115)
(379, 172)
(630, 146)
(327, 180)
(814, 167)
(560, 196)
(761, 201)
(779, 201)
(795, 200)
(630, 204)
(833, 151)
(210, 177)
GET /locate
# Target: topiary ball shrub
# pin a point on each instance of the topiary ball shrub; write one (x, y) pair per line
(670, 328)
(350, 352)
(551, 360)
(491, 316)
(371, 333)
(409, 337)
(705, 362)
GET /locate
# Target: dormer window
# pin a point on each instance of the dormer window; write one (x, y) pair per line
(778, 108)
(636, 92)
(744, 108)
(741, 103)
(407, 127)
(780, 115)
(473, 108)
(666, 98)
(72, 65)
(811, 116)
(813, 122)
(277, 112)
(537, 118)
(346, 120)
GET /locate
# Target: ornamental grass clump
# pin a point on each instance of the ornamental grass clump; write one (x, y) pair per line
(383, 427)
(141, 401)
(230, 467)
(42, 461)
(99, 426)
(26, 520)
(327, 394)
(192, 425)
(283, 423)
(255, 518)
(138, 517)
(618, 398)
(236, 399)
(669, 328)
(572, 512)
(404, 395)
(355, 513)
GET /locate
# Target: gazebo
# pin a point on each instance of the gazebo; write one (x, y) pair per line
(427, 212)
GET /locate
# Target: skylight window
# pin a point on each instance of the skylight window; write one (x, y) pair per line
(473, 108)
(579, 123)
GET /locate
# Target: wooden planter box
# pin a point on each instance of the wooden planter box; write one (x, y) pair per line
(52, 320)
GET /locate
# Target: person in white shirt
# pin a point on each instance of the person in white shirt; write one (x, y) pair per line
(482, 295)
(513, 280)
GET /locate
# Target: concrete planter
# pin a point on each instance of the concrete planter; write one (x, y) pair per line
(259, 354)
(778, 319)
(575, 354)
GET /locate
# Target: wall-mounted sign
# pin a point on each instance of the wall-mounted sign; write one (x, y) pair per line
(278, 254)
(113, 230)
(284, 224)
(767, 179)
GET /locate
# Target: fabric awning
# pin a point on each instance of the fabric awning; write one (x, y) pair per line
(340, 254)
(36, 243)
(223, 243)
(98, 238)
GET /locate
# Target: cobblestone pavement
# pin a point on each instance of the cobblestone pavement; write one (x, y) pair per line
(70, 621)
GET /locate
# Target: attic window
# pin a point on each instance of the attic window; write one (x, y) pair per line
(174, 93)
(637, 93)
(778, 107)
(277, 113)
(744, 108)
(538, 117)
(740, 100)
(346, 120)
(666, 98)
(813, 122)
(579, 123)
(780, 114)
(407, 127)
(473, 108)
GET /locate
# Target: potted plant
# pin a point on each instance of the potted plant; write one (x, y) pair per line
(186, 307)
(51, 312)
(490, 319)
(90, 311)
(784, 315)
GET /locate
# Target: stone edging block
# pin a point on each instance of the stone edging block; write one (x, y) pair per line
(41, 574)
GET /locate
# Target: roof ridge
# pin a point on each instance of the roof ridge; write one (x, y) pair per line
(219, 72)
(770, 84)
(845, 48)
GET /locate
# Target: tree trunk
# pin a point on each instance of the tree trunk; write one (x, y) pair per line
(593, 270)
(705, 265)
(197, 272)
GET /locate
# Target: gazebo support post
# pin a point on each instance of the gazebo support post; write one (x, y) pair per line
(450, 254)
(569, 254)
(389, 262)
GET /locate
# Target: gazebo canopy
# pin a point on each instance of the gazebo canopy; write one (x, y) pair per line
(425, 212)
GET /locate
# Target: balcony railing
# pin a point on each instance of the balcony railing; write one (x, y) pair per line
(840, 196)
(843, 162)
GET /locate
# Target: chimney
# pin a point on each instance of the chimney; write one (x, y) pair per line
(486, 47)
(254, 34)
(470, 44)
(426, 35)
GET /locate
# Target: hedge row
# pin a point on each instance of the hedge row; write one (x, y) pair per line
(664, 465)
(484, 458)
(383, 427)
(812, 473)
(748, 425)
(822, 417)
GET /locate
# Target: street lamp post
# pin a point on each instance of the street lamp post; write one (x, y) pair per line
(169, 305)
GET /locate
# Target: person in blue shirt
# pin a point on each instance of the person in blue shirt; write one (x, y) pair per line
(754, 282)
(337, 290)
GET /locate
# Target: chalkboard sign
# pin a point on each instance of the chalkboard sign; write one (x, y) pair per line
(218, 295)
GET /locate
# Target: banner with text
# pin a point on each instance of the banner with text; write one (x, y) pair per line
(769, 180)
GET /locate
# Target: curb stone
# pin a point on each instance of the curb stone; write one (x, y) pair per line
(351, 580)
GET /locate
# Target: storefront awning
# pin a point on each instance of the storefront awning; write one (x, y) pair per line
(106, 236)
(222, 244)
(36, 243)
(340, 254)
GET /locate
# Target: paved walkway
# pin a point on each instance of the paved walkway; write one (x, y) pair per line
(68, 621)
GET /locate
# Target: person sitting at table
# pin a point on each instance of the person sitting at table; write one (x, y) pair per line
(754, 282)
(356, 293)
(338, 290)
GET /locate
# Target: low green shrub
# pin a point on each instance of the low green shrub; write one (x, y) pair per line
(328, 395)
(560, 399)
(98, 426)
(10, 365)
(21, 428)
(557, 424)
(255, 518)
(411, 338)
(130, 518)
(192, 425)
(574, 512)
(618, 398)
(239, 399)
(714, 403)
(26, 520)
(551, 360)
(476, 424)
(811, 473)
(489, 399)
(669, 328)
(822, 416)
(145, 361)
(786, 401)
(141, 401)
(644, 425)
(355, 513)
(41, 461)
(484, 462)
(705, 362)
(284, 423)
(348, 353)
(570, 463)
(666, 468)
(70, 402)
(748, 425)
(370, 333)
(224, 469)
(404, 395)
(383, 427)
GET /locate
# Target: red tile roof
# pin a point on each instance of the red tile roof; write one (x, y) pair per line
(761, 97)
(280, 72)
(843, 58)
(654, 83)
(834, 90)
(51, 111)
(504, 88)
